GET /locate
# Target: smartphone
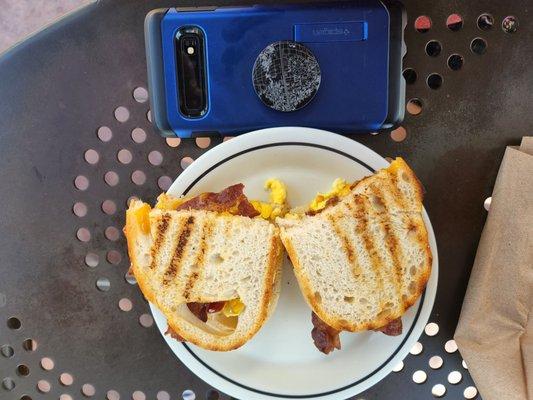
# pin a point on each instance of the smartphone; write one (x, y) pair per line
(230, 70)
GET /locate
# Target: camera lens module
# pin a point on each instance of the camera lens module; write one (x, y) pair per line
(191, 74)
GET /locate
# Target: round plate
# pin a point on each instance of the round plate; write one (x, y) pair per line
(281, 362)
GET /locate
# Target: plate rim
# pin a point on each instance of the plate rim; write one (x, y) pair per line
(272, 137)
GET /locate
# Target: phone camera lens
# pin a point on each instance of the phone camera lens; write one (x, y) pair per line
(191, 74)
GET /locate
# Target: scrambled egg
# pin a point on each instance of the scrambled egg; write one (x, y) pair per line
(276, 206)
(278, 191)
(233, 308)
(339, 188)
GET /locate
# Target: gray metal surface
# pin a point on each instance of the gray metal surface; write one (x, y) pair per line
(60, 87)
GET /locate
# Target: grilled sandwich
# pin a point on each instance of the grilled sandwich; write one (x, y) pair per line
(210, 263)
(360, 253)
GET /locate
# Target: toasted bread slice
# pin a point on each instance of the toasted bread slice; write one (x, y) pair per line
(195, 256)
(363, 261)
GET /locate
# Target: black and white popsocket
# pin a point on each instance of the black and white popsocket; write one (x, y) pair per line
(286, 76)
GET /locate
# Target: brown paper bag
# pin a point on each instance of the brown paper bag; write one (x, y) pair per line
(495, 330)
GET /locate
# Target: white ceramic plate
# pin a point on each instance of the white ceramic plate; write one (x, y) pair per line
(281, 362)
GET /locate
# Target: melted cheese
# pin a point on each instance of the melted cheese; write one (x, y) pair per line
(167, 203)
(142, 215)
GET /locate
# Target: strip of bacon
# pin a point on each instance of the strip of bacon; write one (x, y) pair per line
(325, 337)
(393, 328)
(173, 334)
(232, 200)
(199, 309)
(202, 309)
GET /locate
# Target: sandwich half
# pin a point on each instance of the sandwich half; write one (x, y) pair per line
(360, 253)
(210, 263)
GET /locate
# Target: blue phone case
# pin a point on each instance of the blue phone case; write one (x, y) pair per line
(358, 46)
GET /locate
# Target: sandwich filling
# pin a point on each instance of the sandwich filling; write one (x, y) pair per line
(339, 189)
(326, 338)
(231, 200)
(277, 204)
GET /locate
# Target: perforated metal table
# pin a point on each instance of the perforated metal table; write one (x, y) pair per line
(76, 143)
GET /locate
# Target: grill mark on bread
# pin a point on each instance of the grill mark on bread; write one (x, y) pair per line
(392, 242)
(161, 230)
(361, 215)
(274, 256)
(346, 246)
(394, 250)
(207, 230)
(399, 197)
(175, 262)
(383, 178)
